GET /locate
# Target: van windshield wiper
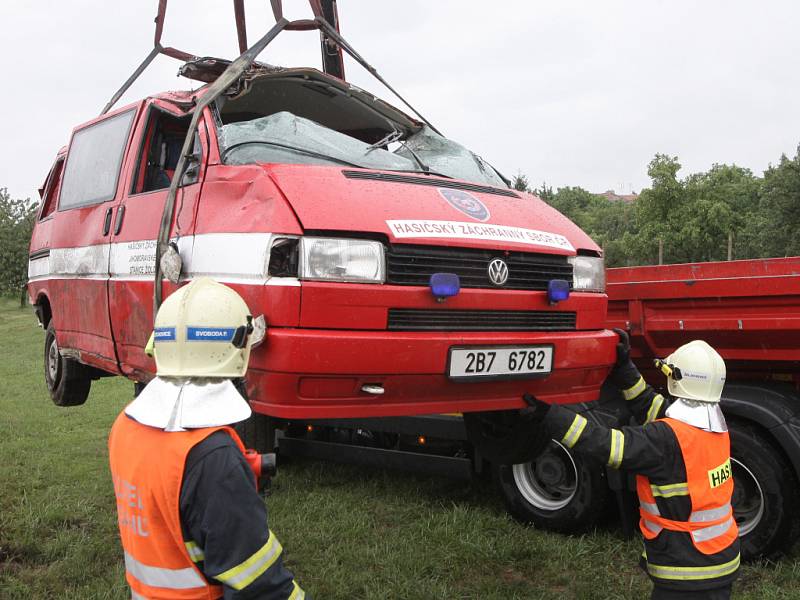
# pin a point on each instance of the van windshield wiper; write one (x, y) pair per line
(423, 167)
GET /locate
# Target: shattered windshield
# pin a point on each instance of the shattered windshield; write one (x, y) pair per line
(286, 138)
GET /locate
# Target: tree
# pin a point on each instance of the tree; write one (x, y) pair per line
(545, 192)
(659, 210)
(780, 207)
(721, 202)
(520, 182)
(16, 224)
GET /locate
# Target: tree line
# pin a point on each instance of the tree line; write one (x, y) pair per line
(16, 224)
(696, 218)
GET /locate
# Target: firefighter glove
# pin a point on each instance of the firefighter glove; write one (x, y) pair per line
(624, 375)
(623, 347)
(536, 410)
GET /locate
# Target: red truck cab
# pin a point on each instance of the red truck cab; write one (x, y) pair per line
(329, 211)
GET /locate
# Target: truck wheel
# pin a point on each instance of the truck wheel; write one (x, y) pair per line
(503, 437)
(68, 381)
(765, 494)
(557, 491)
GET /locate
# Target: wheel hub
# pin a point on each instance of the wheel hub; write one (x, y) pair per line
(53, 359)
(549, 482)
(550, 470)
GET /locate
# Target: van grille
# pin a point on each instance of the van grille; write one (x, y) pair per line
(411, 319)
(414, 265)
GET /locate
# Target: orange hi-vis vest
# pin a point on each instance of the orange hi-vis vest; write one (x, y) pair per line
(709, 485)
(147, 468)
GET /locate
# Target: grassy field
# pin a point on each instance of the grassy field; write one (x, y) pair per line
(347, 532)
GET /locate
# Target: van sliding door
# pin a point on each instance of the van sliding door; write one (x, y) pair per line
(80, 235)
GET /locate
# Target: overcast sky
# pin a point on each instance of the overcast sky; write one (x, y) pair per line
(571, 93)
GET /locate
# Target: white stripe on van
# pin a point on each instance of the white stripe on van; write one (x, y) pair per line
(227, 257)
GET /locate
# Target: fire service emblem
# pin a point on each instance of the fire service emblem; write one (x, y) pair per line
(466, 203)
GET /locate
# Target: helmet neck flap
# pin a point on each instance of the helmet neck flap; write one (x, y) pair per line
(180, 404)
(703, 415)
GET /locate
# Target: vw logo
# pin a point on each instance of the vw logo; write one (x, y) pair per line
(498, 271)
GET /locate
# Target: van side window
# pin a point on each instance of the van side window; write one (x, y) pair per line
(94, 160)
(160, 151)
(51, 189)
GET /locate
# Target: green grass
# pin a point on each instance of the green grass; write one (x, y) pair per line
(347, 532)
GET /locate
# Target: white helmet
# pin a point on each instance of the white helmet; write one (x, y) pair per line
(203, 330)
(695, 371)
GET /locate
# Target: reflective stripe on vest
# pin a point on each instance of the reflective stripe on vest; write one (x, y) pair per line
(712, 528)
(713, 531)
(668, 491)
(172, 579)
(699, 534)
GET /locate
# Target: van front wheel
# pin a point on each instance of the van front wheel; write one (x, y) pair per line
(68, 381)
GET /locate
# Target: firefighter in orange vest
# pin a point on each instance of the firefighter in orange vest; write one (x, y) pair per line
(191, 520)
(681, 456)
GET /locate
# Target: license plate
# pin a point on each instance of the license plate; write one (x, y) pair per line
(500, 362)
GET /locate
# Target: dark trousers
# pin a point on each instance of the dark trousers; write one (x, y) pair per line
(723, 593)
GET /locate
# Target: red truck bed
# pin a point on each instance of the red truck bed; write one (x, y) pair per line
(749, 310)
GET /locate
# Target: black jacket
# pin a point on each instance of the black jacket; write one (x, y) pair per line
(224, 517)
(650, 449)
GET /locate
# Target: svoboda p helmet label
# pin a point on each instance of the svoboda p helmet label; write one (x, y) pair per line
(466, 203)
(209, 334)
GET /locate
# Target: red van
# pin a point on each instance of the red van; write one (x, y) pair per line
(397, 271)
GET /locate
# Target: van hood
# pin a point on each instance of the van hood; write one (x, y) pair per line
(414, 208)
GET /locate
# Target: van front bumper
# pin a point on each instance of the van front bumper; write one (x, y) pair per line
(315, 374)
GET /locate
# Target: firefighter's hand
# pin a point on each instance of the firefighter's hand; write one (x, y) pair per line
(536, 410)
(624, 374)
(623, 347)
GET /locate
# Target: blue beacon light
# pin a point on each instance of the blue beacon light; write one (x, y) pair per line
(557, 290)
(444, 285)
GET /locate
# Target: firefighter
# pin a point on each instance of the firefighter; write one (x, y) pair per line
(680, 454)
(191, 520)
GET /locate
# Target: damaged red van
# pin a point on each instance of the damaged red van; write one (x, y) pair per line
(397, 271)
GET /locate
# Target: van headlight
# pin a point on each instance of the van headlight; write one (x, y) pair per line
(588, 273)
(333, 259)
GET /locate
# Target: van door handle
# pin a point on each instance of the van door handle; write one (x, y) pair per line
(107, 222)
(118, 222)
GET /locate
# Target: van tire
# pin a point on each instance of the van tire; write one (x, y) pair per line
(766, 494)
(557, 491)
(68, 381)
(255, 433)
